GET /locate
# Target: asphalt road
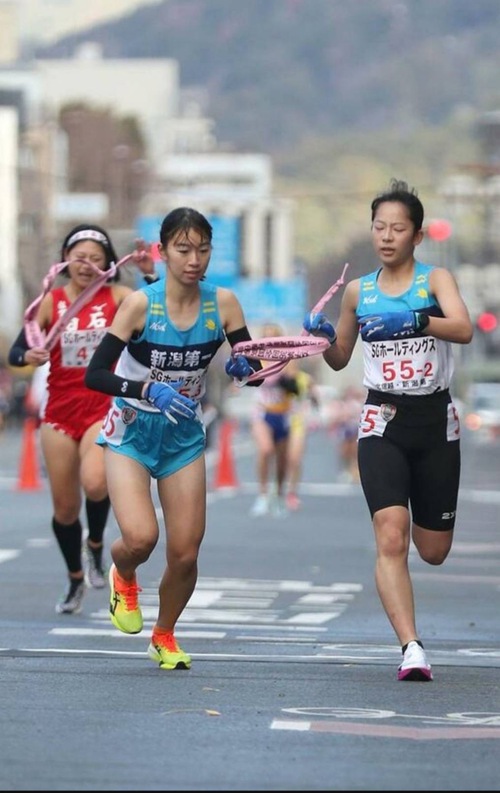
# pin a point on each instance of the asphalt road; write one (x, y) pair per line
(293, 684)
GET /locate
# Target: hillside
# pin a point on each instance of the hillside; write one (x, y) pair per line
(343, 94)
(277, 71)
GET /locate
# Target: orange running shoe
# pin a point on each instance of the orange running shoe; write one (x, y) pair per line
(167, 653)
(124, 604)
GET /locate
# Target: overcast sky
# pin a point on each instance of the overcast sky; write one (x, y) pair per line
(49, 20)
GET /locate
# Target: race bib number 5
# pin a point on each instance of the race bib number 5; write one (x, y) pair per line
(373, 420)
(116, 422)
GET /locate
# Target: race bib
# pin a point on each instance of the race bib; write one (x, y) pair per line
(116, 422)
(401, 365)
(78, 346)
(374, 420)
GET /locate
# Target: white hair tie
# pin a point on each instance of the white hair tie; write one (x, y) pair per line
(88, 234)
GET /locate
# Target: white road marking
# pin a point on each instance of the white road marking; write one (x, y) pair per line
(7, 555)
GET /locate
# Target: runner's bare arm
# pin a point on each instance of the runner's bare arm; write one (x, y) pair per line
(456, 325)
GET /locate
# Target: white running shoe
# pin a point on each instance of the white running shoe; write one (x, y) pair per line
(278, 507)
(72, 602)
(260, 506)
(96, 575)
(415, 665)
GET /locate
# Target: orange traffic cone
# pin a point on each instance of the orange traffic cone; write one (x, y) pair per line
(225, 475)
(29, 478)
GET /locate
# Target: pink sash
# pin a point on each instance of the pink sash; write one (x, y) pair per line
(282, 349)
(37, 337)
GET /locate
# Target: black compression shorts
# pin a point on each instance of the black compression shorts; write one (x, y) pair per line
(409, 455)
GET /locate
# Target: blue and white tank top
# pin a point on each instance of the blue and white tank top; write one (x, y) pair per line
(164, 353)
(417, 365)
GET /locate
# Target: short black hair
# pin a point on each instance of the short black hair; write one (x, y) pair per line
(399, 191)
(184, 219)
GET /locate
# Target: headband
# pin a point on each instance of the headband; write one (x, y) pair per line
(88, 234)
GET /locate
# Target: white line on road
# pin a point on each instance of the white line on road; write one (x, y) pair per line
(7, 555)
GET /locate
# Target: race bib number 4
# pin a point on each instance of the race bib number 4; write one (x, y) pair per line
(77, 347)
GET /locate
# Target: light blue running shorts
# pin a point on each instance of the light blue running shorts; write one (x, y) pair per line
(150, 438)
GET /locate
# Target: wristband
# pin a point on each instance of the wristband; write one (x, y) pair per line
(422, 320)
(16, 356)
(151, 279)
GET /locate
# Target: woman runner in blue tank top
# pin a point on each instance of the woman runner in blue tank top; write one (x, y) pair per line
(408, 315)
(154, 361)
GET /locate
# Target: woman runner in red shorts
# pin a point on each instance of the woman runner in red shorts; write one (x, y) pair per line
(73, 414)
